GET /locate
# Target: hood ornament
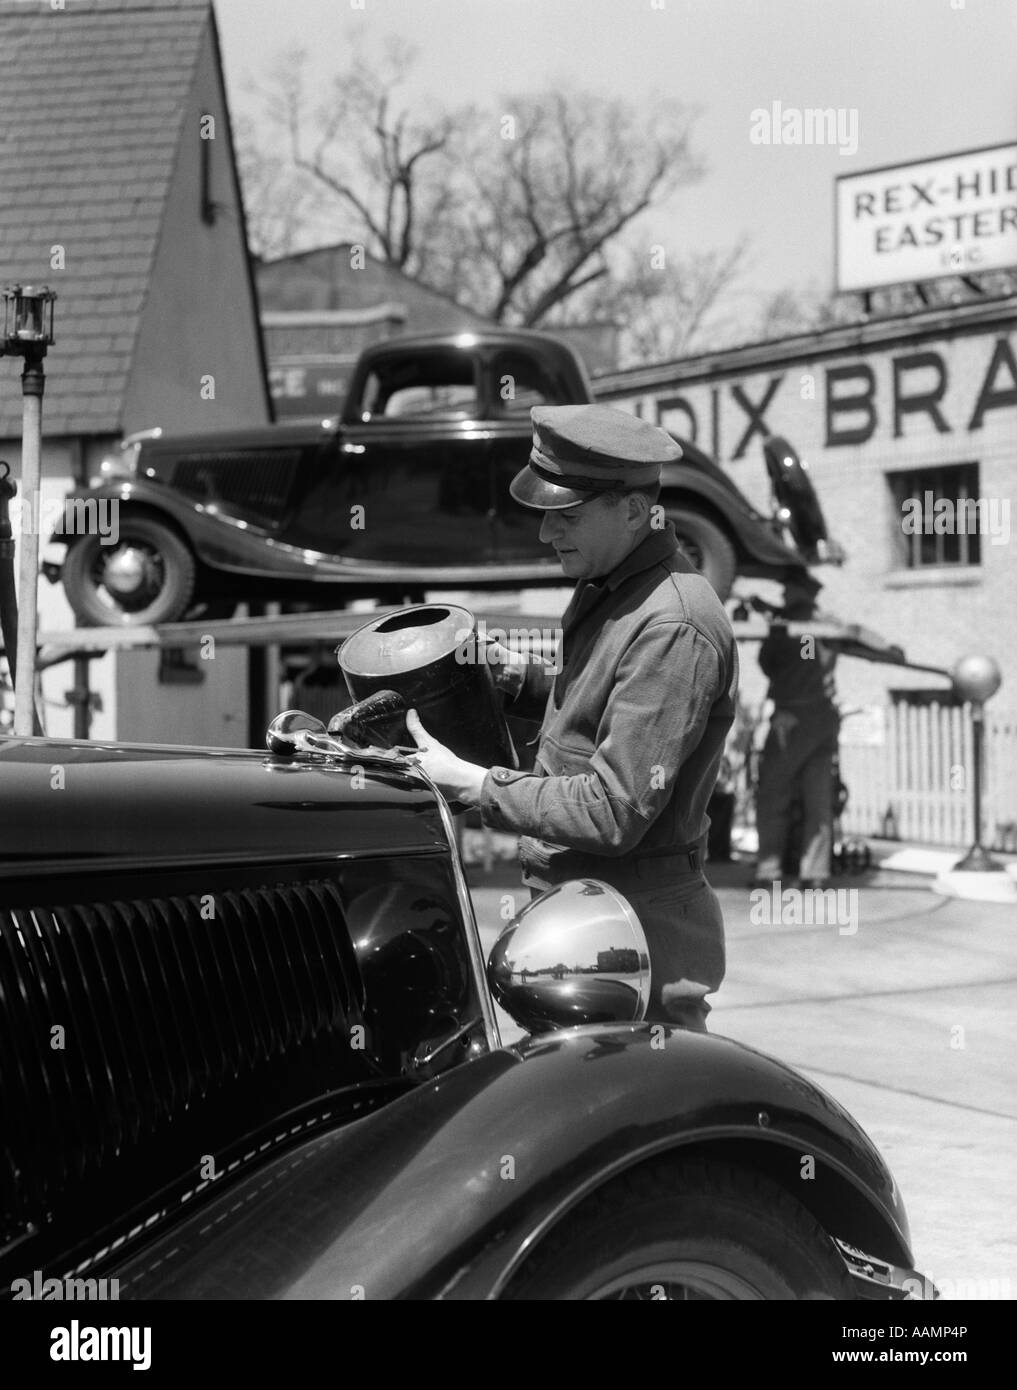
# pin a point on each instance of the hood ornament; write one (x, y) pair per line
(293, 733)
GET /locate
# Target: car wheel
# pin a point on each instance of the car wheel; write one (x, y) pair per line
(147, 577)
(703, 543)
(794, 491)
(690, 1232)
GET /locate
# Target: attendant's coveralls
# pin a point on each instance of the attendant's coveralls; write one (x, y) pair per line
(797, 756)
(630, 746)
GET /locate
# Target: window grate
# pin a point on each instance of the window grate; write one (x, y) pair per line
(937, 513)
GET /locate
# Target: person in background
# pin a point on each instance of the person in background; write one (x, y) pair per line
(797, 758)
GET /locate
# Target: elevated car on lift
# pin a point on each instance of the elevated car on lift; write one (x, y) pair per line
(407, 491)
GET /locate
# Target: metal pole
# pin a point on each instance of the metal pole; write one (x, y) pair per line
(32, 385)
(81, 697)
(257, 705)
(273, 663)
(977, 713)
(978, 859)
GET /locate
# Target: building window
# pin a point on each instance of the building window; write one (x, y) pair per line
(937, 516)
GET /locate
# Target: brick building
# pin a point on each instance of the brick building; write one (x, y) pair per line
(892, 417)
(882, 412)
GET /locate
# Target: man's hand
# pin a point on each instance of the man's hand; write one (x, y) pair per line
(456, 779)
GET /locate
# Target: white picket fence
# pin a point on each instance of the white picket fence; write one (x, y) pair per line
(917, 761)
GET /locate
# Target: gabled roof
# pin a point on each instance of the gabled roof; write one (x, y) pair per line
(92, 98)
(332, 283)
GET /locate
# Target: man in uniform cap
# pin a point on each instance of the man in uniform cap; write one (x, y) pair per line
(635, 720)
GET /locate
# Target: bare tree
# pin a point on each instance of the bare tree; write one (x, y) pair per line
(549, 184)
(788, 311)
(276, 199)
(665, 306)
(512, 211)
(362, 157)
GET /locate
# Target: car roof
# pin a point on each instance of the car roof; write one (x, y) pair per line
(482, 337)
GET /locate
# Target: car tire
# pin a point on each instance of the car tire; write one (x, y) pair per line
(794, 490)
(687, 1231)
(703, 542)
(166, 587)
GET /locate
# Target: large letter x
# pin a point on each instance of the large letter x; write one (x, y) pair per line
(757, 424)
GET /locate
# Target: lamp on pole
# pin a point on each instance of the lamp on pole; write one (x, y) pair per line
(976, 678)
(27, 333)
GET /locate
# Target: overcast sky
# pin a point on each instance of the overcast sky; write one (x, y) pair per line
(926, 77)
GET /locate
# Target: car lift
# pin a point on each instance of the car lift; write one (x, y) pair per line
(83, 645)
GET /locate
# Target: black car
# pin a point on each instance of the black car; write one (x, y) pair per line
(407, 492)
(250, 1050)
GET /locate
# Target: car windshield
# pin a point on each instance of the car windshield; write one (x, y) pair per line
(431, 384)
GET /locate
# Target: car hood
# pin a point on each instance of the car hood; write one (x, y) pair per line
(72, 805)
(239, 950)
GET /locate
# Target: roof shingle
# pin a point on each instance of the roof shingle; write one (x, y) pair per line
(91, 102)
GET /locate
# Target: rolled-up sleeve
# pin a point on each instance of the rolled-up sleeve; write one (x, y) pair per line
(666, 684)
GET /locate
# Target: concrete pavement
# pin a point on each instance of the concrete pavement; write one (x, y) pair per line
(905, 1010)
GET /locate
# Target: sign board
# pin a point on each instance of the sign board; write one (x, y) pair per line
(309, 386)
(956, 215)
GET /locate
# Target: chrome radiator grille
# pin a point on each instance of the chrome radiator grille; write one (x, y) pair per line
(137, 1035)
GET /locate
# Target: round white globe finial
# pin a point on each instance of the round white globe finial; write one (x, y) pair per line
(976, 678)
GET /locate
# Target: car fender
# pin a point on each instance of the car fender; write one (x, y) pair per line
(219, 540)
(152, 498)
(751, 532)
(447, 1190)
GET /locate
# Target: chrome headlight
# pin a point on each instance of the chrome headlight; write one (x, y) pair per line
(575, 955)
(124, 462)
